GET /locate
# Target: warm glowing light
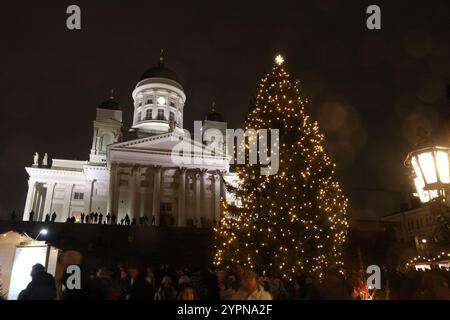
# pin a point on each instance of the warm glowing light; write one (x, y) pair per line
(279, 60)
(424, 196)
(161, 100)
(431, 172)
(426, 162)
(442, 166)
(279, 222)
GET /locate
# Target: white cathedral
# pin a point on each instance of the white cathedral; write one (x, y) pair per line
(137, 172)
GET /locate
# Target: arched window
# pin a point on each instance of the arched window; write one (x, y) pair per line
(107, 139)
(148, 114)
(160, 114)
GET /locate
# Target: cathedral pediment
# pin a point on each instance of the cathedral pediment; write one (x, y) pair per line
(169, 143)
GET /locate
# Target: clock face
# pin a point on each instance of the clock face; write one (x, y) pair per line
(161, 100)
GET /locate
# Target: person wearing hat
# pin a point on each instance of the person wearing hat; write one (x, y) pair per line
(250, 289)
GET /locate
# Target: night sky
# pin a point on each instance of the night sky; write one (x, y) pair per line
(369, 90)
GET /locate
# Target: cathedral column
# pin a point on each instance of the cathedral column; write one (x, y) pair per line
(35, 202)
(94, 142)
(203, 206)
(111, 193)
(188, 204)
(182, 197)
(42, 202)
(29, 201)
(196, 200)
(156, 191)
(40, 207)
(222, 191)
(89, 189)
(143, 196)
(67, 202)
(132, 192)
(49, 198)
(116, 192)
(38, 204)
(215, 198)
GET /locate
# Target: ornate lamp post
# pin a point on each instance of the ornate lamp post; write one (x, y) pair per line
(429, 168)
(430, 171)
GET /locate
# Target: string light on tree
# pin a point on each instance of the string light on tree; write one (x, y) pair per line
(293, 221)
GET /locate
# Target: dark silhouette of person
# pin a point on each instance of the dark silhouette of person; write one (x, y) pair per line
(145, 220)
(108, 218)
(95, 217)
(91, 217)
(82, 218)
(13, 215)
(153, 220)
(54, 217)
(47, 218)
(122, 221)
(133, 222)
(113, 219)
(41, 287)
(100, 218)
(31, 216)
(138, 287)
(127, 219)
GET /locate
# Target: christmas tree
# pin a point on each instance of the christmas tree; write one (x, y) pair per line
(294, 221)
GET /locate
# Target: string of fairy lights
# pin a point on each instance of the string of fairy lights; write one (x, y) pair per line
(295, 220)
(443, 256)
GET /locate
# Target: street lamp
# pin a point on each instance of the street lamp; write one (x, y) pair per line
(430, 171)
(43, 232)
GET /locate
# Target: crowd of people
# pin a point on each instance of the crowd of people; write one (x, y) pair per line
(112, 219)
(132, 281)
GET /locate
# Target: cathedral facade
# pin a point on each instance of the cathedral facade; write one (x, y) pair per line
(139, 172)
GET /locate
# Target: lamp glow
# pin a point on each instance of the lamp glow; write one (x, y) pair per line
(279, 60)
(43, 232)
(442, 166)
(426, 162)
(431, 172)
(161, 100)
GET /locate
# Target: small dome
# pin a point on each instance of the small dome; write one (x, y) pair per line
(215, 116)
(110, 104)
